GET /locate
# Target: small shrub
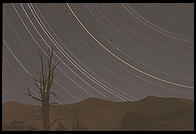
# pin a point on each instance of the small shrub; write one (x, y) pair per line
(60, 127)
(18, 125)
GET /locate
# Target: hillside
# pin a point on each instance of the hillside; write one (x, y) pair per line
(150, 113)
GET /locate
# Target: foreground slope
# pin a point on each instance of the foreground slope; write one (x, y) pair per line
(150, 113)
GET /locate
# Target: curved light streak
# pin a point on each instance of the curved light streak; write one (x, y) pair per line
(72, 61)
(58, 84)
(172, 60)
(68, 59)
(135, 76)
(51, 9)
(54, 52)
(10, 96)
(143, 63)
(171, 89)
(57, 46)
(58, 56)
(176, 84)
(23, 66)
(100, 77)
(152, 26)
(47, 55)
(17, 59)
(127, 82)
(171, 17)
(156, 84)
(98, 19)
(18, 76)
(128, 37)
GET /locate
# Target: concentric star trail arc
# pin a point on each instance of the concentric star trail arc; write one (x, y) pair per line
(140, 62)
(22, 65)
(75, 63)
(47, 55)
(57, 56)
(38, 63)
(148, 24)
(113, 51)
(80, 69)
(176, 84)
(124, 53)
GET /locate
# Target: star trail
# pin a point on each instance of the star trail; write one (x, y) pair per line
(113, 51)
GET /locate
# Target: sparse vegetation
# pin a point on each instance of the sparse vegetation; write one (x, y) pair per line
(148, 114)
(60, 127)
(78, 126)
(18, 125)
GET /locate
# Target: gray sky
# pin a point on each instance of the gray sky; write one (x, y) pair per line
(116, 51)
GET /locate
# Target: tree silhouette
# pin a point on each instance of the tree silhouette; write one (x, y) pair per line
(44, 84)
(2, 58)
(76, 117)
(77, 126)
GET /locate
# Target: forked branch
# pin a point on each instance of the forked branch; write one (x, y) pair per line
(33, 97)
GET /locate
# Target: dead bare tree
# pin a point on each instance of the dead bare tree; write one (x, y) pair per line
(76, 117)
(44, 84)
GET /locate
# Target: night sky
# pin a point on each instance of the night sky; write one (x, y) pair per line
(114, 51)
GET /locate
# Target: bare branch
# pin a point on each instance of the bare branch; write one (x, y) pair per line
(50, 65)
(52, 95)
(51, 79)
(39, 87)
(29, 94)
(38, 84)
(56, 102)
(36, 79)
(42, 71)
(44, 83)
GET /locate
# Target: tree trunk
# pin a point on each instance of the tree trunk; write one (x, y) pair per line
(2, 57)
(45, 113)
(44, 84)
(76, 116)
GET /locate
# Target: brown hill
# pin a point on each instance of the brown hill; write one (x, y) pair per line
(150, 113)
